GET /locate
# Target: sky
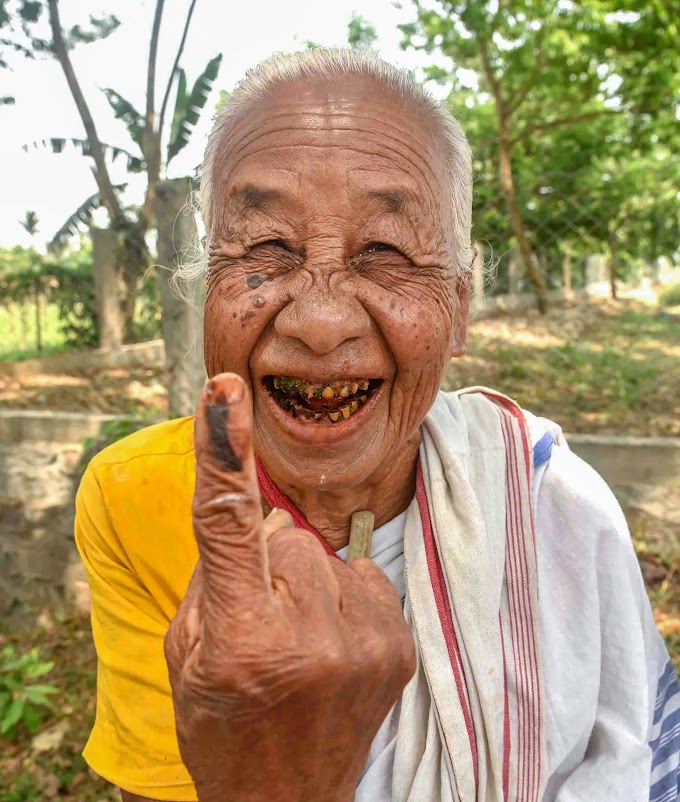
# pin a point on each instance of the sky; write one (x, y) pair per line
(245, 32)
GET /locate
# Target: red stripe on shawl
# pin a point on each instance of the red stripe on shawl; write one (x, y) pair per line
(518, 552)
(506, 720)
(517, 583)
(441, 596)
(275, 498)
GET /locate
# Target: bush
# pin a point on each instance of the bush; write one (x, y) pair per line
(670, 295)
(21, 699)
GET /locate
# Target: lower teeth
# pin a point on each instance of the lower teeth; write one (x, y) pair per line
(293, 395)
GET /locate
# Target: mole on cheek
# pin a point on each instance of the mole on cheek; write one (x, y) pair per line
(258, 302)
(255, 280)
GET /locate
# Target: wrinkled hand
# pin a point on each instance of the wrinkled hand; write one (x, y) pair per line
(283, 661)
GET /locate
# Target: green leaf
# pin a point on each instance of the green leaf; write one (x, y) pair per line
(125, 111)
(30, 10)
(12, 715)
(40, 669)
(180, 104)
(5, 699)
(32, 718)
(192, 107)
(82, 216)
(135, 164)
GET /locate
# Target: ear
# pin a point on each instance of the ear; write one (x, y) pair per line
(459, 331)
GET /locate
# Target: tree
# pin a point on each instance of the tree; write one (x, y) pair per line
(148, 132)
(360, 33)
(16, 37)
(544, 65)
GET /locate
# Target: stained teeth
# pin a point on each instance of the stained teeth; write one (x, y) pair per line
(364, 385)
(346, 412)
(328, 393)
(353, 405)
(334, 416)
(344, 391)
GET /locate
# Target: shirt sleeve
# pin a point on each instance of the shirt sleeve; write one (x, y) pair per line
(635, 691)
(133, 743)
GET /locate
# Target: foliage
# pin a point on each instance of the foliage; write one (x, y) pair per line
(360, 33)
(670, 295)
(65, 280)
(582, 100)
(21, 698)
(189, 104)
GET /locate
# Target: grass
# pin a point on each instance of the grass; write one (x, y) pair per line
(18, 332)
(609, 368)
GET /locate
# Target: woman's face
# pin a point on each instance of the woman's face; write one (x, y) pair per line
(331, 284)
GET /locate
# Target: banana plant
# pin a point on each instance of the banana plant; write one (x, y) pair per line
(189, 102)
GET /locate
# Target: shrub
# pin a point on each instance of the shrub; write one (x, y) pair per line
(21, 698)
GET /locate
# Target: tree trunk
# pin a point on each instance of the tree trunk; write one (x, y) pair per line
(101, 174)
(106, 283)
(530, 265)
(182, 317)
(613, 266)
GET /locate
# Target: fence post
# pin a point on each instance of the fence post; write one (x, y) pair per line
(478, 279)
(566, 271)
(111, 324)
(182, 316)
(514, 276)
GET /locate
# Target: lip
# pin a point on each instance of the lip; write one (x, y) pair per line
(326, 433)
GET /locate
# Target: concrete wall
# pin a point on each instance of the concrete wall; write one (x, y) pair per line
(148, 354)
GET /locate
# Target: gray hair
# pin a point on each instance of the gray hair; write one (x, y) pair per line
(334, 64)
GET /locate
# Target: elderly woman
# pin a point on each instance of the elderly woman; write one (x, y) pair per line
(498, 645)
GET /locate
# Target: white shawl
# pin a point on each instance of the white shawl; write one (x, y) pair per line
(472, 529)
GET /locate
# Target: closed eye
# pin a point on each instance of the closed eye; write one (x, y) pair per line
(376, 247)
(275, 243)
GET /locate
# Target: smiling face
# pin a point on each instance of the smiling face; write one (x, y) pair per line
(332, 278)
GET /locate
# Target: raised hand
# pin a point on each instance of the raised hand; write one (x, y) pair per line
(283, 661)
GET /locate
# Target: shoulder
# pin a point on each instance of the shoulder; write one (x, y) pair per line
(139, 475)
(172, 438)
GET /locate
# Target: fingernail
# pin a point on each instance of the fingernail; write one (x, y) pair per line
(225, 392)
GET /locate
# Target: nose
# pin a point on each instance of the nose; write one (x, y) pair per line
(323, 318)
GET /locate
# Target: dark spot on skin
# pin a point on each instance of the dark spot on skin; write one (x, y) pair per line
(393, 306)
(234, 315)
(428, 347)
(247, 315)
(255, 280)
(217, 415)
(259, 301)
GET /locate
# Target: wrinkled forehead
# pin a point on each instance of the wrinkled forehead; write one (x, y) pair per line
(352, 130)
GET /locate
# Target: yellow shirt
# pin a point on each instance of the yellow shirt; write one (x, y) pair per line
(134, 533)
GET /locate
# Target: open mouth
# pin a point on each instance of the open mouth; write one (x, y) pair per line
(330, 402)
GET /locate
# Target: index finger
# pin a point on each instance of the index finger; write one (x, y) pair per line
(227, 509)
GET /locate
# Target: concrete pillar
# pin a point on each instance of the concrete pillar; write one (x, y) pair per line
(182, 313)
(106, 284)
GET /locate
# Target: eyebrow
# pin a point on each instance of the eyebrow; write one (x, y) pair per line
(392, 200)
(252, 197)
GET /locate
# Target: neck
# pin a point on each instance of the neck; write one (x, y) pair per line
(386, 493)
